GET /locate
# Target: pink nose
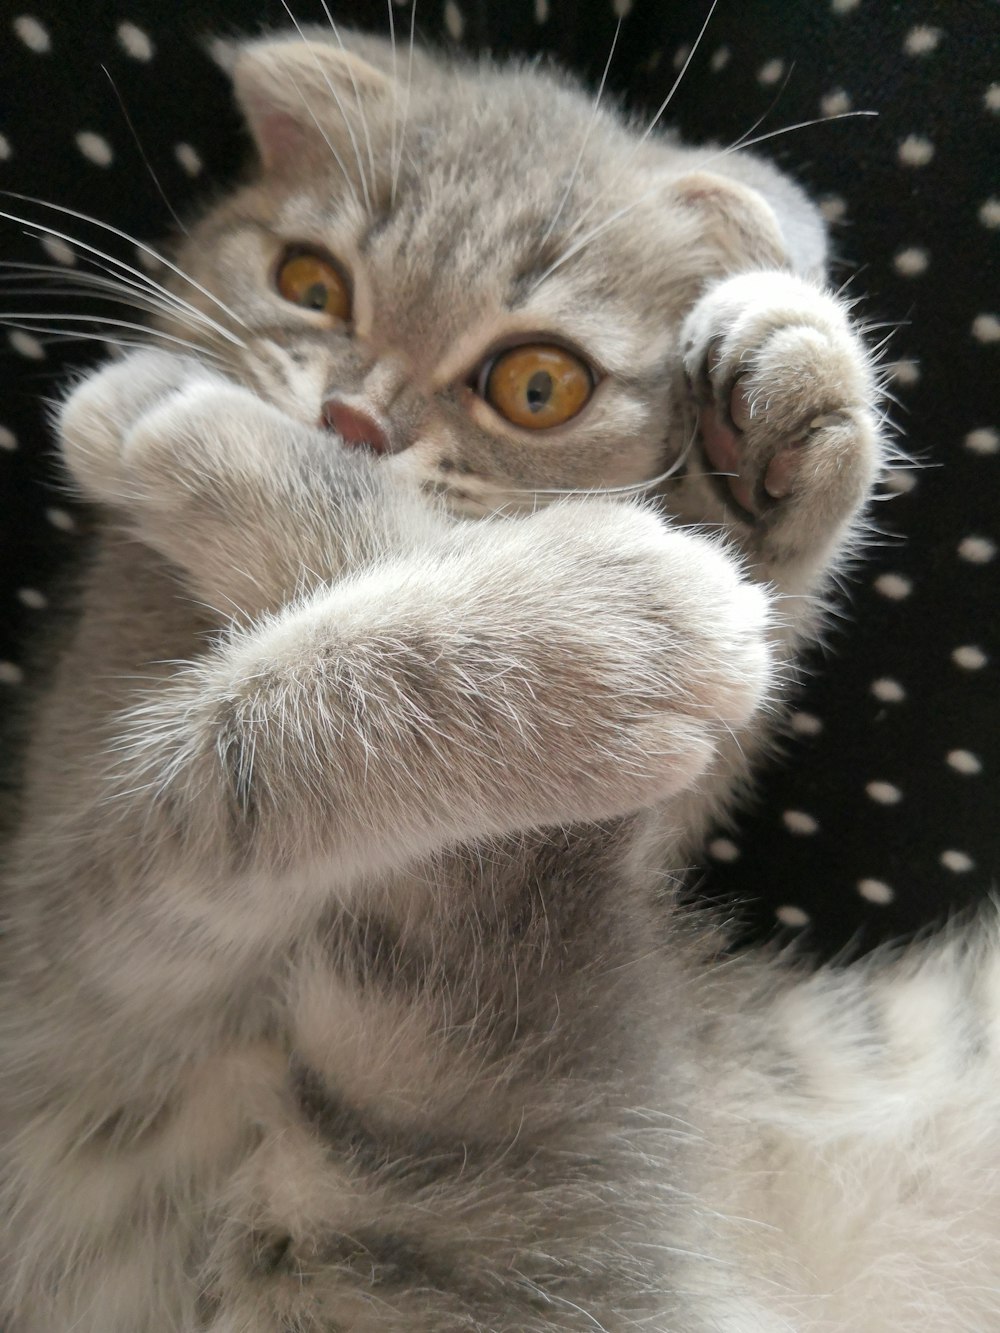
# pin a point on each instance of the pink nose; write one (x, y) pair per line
(354, 426)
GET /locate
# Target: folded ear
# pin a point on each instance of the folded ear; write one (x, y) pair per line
(736, 219)
(306, 99)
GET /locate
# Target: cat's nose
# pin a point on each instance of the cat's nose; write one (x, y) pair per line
(354, 426)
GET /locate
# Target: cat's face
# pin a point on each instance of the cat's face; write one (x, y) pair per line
(467, 263)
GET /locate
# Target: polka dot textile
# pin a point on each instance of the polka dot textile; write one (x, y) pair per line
(883, 816)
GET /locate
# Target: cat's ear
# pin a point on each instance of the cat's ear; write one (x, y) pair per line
(305, 99)
(737, 221)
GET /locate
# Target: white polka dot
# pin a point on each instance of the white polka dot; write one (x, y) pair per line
(189, 158)
(833, 207)
(26, 344)
(921, 39)
(8, 440)
(797, 821)
(770, 72)
(720, 59)
(835, 103)
(986, 328)
(61, 519)
(723, 849)
(59, 250)
(893, 586)
(789, 915)
(957, 861)
(911, 262)
(134, 42)
(983, 441)
(989, 213)
(806, 724)
(885, 793)
(875, 891)
(95, 148)
(978, 550)
(32, 598)
(5, 148)
(33, 34)
(541, 11)
(964, 761)
(844, 6)
(899, 482)
(889, 691)
(454, 20)
(622, 8)
(915, 151)
(148, 261)
(680, 55)
(11, 673)
(905, 371)
(991, 97)
(969, 657)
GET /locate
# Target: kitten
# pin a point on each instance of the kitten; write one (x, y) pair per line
(345, 988)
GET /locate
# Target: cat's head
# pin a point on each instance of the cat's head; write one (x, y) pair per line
(466, 266)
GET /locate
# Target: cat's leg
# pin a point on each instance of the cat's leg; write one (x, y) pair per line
(572, 665)
(249, 506)
(477, 680)
(788, 447)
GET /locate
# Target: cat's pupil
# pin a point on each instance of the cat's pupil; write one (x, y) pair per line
(539, 390)
(315, 296)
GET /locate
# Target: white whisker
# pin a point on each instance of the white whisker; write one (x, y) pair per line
(652, 124)
(340, 107)
(123, 235)
(142, 153)
(397, 165)
(583, 145)
(358, 100)
(30, 324)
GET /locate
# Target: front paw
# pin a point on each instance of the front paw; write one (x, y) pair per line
(675, 633)
(784, 393)
(97, 418)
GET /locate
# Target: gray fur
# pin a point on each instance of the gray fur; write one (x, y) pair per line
(345, 988)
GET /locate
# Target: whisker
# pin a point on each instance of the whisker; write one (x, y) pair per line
(90, 286)
(359, 102)
(787, 129)
(628, 208)
(123, 235)
(142, 153)
(586, 137)
(395, 87)
(340, 107)
(57, 336)
(654, 122)
(634, 487)
(29, 324)
(167, 302)
(397, 165)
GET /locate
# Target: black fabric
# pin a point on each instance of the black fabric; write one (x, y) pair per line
(883, 816)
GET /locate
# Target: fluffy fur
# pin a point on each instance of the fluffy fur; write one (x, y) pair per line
(344, 984)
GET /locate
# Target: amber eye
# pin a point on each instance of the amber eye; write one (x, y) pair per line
(311, 281)
(537, 385)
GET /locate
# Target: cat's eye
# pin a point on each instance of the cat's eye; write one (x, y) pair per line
(537, 385)
(314, 282)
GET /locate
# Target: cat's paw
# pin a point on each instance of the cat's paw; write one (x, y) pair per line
(671, 626)
(98, 416)
(785, 399)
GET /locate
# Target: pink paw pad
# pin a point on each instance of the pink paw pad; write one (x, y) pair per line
(724, 448)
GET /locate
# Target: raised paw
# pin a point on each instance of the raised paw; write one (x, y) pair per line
(97, 417)
(784, 395)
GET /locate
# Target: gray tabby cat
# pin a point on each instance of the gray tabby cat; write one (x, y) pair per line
(344, 986)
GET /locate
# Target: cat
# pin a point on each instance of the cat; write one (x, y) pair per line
(487, 465)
